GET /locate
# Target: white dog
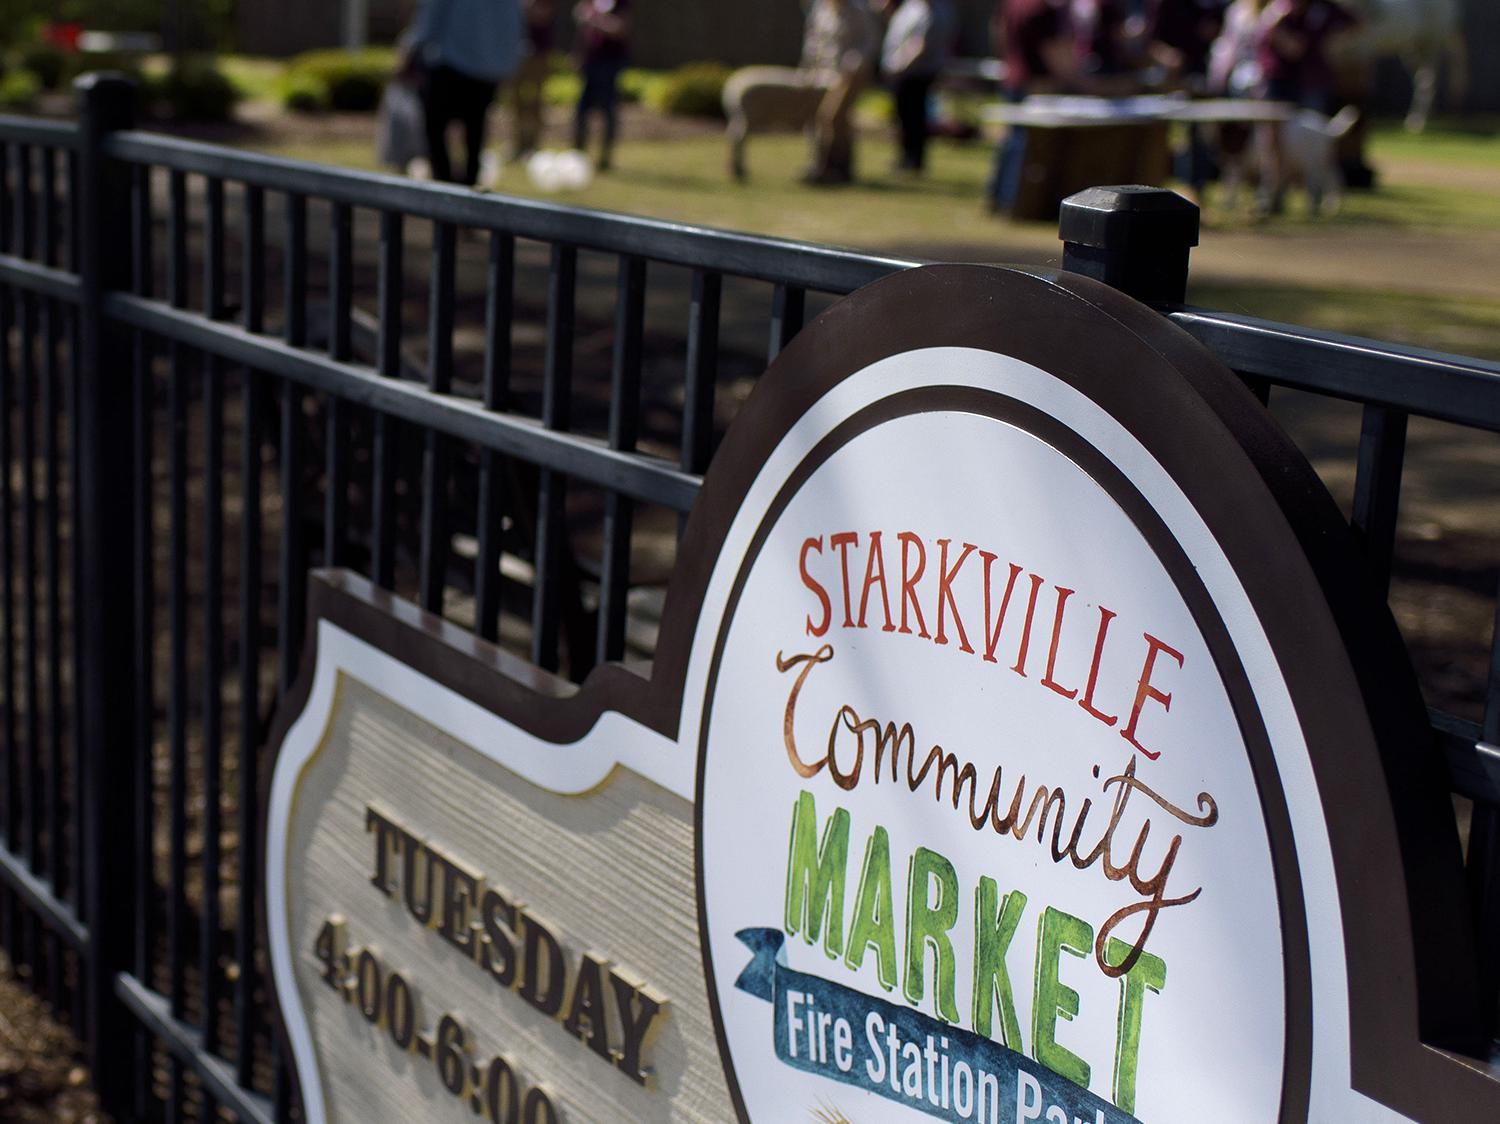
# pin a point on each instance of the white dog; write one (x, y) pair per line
(1309, 143)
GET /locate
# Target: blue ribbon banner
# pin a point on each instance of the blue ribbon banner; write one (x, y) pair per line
(827, 1029)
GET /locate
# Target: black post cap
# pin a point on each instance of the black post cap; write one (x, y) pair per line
(1134, 238)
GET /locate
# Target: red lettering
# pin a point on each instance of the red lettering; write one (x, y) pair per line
(1057, 620)
(1146, 690)
(1036, 585)
(812, 584)
(1087, 702)
(945, 593)
(909, 581)
(875, 572)
(992, 637)
(842, 542)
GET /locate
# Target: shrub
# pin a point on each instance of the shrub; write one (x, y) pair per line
(635, 85)
(352, 81)
(562, 89)
(694, 90)
(18, 89)
(302, 93)
(195, 89)
(48, 62)
(564, 84)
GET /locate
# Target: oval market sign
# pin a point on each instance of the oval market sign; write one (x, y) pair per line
(1023, 743)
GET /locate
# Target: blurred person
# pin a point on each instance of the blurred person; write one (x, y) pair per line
(1180, 35)
(1234, 72)
(1036, 38)
(461, 50)
(1106, 39)
(917, 42)
(1293, 53)
(839, 46)
(1295, 69)
(603, 47)
(541, 35)
(1234, 57)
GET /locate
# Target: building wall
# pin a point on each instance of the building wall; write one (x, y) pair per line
(1481, 30)
(669, 32)
(286, 27)
(1482, 34)
(740, 32)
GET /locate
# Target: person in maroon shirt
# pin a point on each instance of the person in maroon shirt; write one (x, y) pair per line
(1038, 41)
(1180, 35)
(1293, 52)
(603, 46)
(1039, 45)
(1294, 66)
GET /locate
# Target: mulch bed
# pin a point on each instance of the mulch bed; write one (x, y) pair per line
(42, 1077)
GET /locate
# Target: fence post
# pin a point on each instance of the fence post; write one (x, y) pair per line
(1135, 239)
(105, 595)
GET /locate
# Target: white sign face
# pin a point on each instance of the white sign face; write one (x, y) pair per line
(1008, 756)
(976, 804)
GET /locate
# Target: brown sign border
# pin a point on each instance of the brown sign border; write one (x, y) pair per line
(1414, 1003)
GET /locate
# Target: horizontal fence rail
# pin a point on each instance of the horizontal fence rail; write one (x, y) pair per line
(228, 368)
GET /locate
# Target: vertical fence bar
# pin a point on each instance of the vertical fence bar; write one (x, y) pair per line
(1260, 387)
(433, 559)
(31, 762)
(144, 597)
(383, 457)
(292, 566)
(701, 375)
(336, 460)
(788, 311)
(178, 694)
(13, 808)
(57, 842)
(75, 631)
(105, 532)
(1377, 488)
(557, 396)
(213, 614)
(624, 431)
(245, 1011)
(1484, 854)
(499, 314)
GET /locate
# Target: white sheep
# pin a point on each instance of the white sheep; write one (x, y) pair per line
(768, 99)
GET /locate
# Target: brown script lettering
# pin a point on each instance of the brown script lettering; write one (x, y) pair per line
(950, 776)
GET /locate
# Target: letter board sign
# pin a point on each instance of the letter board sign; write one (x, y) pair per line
(1023, 743)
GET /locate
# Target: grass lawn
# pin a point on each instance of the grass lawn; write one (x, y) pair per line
(1472, 142)
(257, 78)
(1442, 184)
(1461, 326)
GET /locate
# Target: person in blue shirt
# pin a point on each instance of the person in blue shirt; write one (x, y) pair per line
(463, 50)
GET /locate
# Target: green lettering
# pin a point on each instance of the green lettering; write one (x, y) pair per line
(815, 876)
(995, 923)
(873, 926)
(1147, 972)
(928, 925)
(1059, 932)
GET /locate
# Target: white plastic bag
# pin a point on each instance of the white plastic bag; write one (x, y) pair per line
(402, 135)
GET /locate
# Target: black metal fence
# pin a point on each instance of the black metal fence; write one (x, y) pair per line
(218, 369)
